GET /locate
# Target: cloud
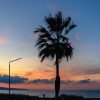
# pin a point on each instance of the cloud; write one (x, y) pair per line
(46, 81)
(51, 81)
(4, 41)
(92, 71)
(18, 79)
(29, 73)
(85, 81)
(14, 79)
(5, 35)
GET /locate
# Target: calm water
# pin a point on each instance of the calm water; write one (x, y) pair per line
(84, 93)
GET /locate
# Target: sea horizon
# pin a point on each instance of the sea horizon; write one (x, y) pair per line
(50, 93)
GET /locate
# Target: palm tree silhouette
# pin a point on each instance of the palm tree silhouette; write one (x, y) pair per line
(53, 42)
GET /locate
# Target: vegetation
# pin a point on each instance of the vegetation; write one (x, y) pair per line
(53, 42)
(17, 97)
(26, 97)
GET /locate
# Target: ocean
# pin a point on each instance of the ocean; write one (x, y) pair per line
(50, 93)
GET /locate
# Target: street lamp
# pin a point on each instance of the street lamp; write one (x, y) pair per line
(9, 71)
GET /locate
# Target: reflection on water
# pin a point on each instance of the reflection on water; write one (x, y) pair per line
(50, 93)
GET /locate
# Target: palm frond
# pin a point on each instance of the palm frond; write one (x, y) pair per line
(69, 28)
(47, 51)
(53, 40)
(66, 22)
(50, 22)
(42, 30)
(63, 38)
(65, 50)
(40, 41)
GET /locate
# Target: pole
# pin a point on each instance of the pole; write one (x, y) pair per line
(9, 72)
(9, 78)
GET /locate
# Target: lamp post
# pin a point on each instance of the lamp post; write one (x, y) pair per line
(9, 71)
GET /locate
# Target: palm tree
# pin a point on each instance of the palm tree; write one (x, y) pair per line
(53, 42)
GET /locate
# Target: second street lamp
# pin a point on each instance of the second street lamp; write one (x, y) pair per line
(9, 71)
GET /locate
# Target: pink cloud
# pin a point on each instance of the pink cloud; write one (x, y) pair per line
(77, 37)
(4, 41)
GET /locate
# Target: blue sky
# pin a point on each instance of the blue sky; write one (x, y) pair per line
(19, 18)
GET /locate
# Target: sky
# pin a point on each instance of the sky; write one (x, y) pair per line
(18, 20)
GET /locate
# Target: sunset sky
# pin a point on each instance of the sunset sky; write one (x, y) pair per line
(18, 20)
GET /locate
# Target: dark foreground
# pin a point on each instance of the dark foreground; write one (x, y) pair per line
(26, 97)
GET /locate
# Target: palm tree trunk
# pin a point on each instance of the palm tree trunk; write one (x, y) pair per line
(57, 80)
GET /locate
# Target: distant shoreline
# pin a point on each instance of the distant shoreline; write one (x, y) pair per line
(4, 88)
